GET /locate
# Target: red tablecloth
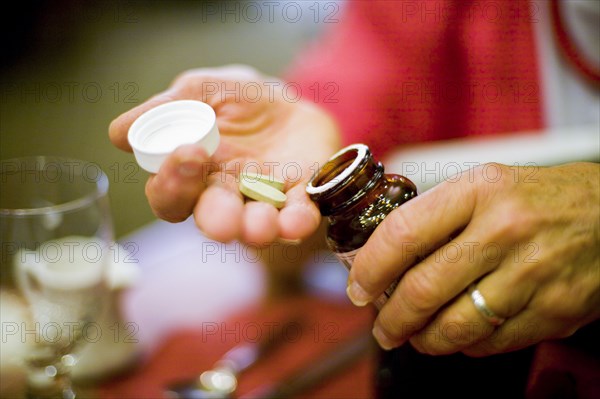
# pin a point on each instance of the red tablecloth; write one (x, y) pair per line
(325, 326)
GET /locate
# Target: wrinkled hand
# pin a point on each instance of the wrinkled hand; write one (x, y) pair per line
(528, 237)
(260, 125)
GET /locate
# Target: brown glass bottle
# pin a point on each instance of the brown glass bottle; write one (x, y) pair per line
(355, 194)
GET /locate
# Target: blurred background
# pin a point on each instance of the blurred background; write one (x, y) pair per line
(69, 67)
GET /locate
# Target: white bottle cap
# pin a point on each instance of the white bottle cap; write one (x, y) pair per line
(159, 131)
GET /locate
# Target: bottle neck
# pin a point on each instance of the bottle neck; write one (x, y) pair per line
(345, 180)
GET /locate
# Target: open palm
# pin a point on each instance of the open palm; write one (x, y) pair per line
(264, 128)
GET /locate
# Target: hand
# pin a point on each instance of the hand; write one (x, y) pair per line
(260, 126)
(528, 237)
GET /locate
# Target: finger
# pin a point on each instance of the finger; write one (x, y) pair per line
(173, 192)
(219, 212)
(442, 276)
(409, 232)
(462, 325)
(260, 223)
(118, 128)
(523, 330)
(300, 217)
(506, 291)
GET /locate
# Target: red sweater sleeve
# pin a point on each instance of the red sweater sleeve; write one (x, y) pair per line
(396, 72)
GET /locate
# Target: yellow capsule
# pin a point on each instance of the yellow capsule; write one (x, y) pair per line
(259, 191)
(272, 181)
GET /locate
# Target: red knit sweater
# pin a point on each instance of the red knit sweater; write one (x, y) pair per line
(395, 72)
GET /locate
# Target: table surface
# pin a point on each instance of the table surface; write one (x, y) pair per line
(196, 299)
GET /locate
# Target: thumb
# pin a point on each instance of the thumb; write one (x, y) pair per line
(118, 128)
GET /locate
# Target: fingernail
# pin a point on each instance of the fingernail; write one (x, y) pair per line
(189, 169)
(382, 339)
(357, 294)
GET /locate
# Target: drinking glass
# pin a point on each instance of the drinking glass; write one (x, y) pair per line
(56, 241)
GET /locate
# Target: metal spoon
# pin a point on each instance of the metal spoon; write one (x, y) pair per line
(224, 383)
(221, 380)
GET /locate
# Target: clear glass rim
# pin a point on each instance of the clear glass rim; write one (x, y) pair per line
(101, 183)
